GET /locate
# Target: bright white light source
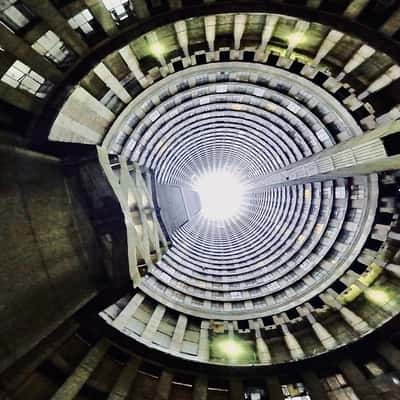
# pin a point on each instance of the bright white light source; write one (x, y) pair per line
(221, 194)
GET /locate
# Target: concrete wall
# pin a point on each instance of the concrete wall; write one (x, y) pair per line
(46, 250)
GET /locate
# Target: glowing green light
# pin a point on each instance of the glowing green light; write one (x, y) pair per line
(157, 49)
(231, 348)
(378, 296)
(296, 38)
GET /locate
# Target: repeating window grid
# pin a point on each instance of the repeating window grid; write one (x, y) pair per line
(20, 76)
(14, 14)
(82, 21)
(119, 9)
(51, 46)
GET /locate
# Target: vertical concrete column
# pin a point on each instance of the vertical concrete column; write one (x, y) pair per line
(164, 386)
(49, 13)
(236, 389)
(274, 388)
(200, 388)
(269, 27)
(352, 278)
(122, 387)
(263, 352)
(392, 74)
(175, 4)
(102, 16)
(363, 53)
(392, 24)
(363, 389)
(326, 46)
(390, 353)
(355, 8)
(179, 333)
(182, 36)
(292, 344)
(204, 348)
(210, 22)
(133, 64)
(326, 339)
(314, 385)
(314, 3)
(358, 324)
(301, 27)
(140, 8)
(393, 269)
(82, 372)
(238, 29)
(152, 325)
(112, 82)
(390, 116)
(126, 314)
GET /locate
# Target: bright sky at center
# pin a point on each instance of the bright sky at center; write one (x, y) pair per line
(221, 194)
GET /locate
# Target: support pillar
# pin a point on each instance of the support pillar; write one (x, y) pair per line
(390, 353)
(392, 74)
(182, 36)
(204, 349)
(236, 389)
(239, 27)
(314, 386)
(274, 388)
(179, 333)
(200, 388)
(269, 27)
(263, 352)
(133, 64)
(112, 82)
(102, 16)
(152, 325)
(126, 314)
(361, 386)
(164, 386)
(123, 386)
(362, 54)
(75, 382)
(210, 22)
(326, 339)
(358, 324)
(292, 344)
(326, 46)
(355, 8)
(141, 9)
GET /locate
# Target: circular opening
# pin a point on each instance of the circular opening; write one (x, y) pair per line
(221, 194)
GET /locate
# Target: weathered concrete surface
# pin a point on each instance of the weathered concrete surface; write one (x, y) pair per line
(46, 250)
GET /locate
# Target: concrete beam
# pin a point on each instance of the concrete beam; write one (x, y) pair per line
(49, 13)
(16, 46)
(392, 24)
(355, 8)
(102, 16)
(112, 82)
(75, 382)
(141, 9)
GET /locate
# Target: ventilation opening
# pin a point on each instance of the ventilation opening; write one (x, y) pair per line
(267, 321)
(339, 287)
(292, 314)
(243, 325)
(392, 144)
(316, 302)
